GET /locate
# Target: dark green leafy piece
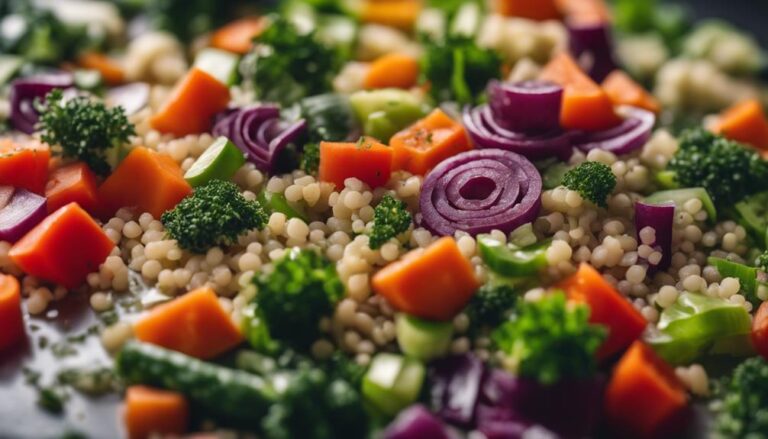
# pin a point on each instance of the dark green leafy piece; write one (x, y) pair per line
(390, 218)
(491, 304)
(215, 214)
(84, 128)
(310, 161)
(593, 180)
(744, 402)
(329, 117)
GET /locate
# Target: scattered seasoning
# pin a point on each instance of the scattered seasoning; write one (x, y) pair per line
(109, 318)
(92, 382)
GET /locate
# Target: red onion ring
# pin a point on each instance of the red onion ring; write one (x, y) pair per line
(631, 134)
(659, 217)
(592, 45)
(25, 91)
(479, 191)
(526, 107)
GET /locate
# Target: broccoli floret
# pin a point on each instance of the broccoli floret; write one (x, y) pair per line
(593, 180)
(286, 65)
(727, 170)
(458, 70)
(215, 214)
(762, 261)
(549, 340)
(744, 401)
(292, 298)
(84, 128)
(390, 218)
(310, 160)
(491, 305)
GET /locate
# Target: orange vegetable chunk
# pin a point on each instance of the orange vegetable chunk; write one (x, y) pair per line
(623, 90)
(585, 11)
(433, 283)
(24, 165)
(110, 70)
(608, 308)
(367, 160)
(644, 398)
(393, 70)
(760, 330)
(194, 324)
(64, 248)
(585, 105)
(401, 14)
(531, 9)
(744, 122)
(237, 36)
(147, 180)
(153, 412)
(192, 105)
(72, 183)
(11, 319)
(420, 147)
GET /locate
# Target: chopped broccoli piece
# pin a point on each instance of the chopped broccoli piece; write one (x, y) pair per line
(491, 305)
(329, 117)
(744, 397)
(549, 340)
(292, 298)
(286, 66)
(215, 214)
(593, 180)
(727, 170)
(310, 161)
(84, 128)
(390, 218)
(458, 70)
(762, 261)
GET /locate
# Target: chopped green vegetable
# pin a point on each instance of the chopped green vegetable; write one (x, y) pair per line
(393, 382)
(668, 20)
(550, 340)
(743, 408)
(386, 111)
(276, 202)
(593, 180)
(458, 70)
(727, 170)
(746, 275)
(752, 214)
(492, 304)
(422, 339)
(712, 39)
(390, 218)
(510, 260)
(310, 159)
(681, 196)
(329, 117)
(186, 19)
(215, 214)
(292, 298)
(218, 63)
(92, 382)
(9, 65)
(84, 128)
(553, 175)
(219, 162)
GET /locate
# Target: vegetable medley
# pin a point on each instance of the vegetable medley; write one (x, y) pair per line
(391, 219)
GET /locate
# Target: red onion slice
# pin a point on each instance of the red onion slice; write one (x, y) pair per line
(592, 45)
(25, 91)
(23, 211)
(132, 97)
(631, 134)
(659, 217)
(479, 191)
(526, 107)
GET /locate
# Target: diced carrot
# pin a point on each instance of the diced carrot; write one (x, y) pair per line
(760, 330)
(644, 398)
(192, 105)
(585, 105)
(433, 283)
(392, 70)
(401, 14)
(420, 147)
(194, 324)
(72, 183)
(153, 412)
(110, 70)
(744, 122)
(238, 35)
(608, 308)
(531, 9)
(11, 319)
(147, 180)
(64, 248)
(367, 160)
(24, 165)
(585, 11)
(623, 90)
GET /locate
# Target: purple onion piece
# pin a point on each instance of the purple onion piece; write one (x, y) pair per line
(592, 46)
(659, 217)
(416, 422)
(25, 91)
(526, 107)
(505, 186)
(6, 193)
(456, 384)
(631, 134)
(486, 132)
(23, 211)
(132, 97)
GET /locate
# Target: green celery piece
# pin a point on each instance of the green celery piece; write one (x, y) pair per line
(752, 214)
(512, 261)
(385, 112)
(680, 196)
(392, 383)
(422, 339)
(220, 64)
(746, 275)
(9, 65)
(666, 179)
(278, 203)
(219, 162)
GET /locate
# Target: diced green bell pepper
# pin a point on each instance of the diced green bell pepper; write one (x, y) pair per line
(278, 203)
(422, 339)
(512, 261)
(681, 196)
(746, 275)
(392, 383)
(219, 162)
(385, 112)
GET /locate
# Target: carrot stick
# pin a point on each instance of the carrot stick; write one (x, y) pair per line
(644, 398)
(72, 183)
(392, 71)
(153, 412)
(192, 105)
(11, 319)
(64, 248)
(238, 35)
(367, 160)
(110, 71)
(623, 90)
(585, 105)
(147, 180)
(423, 145)
(24, 165)
(531, 9)
(744, 122)
(433, 283)
(194, 324)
